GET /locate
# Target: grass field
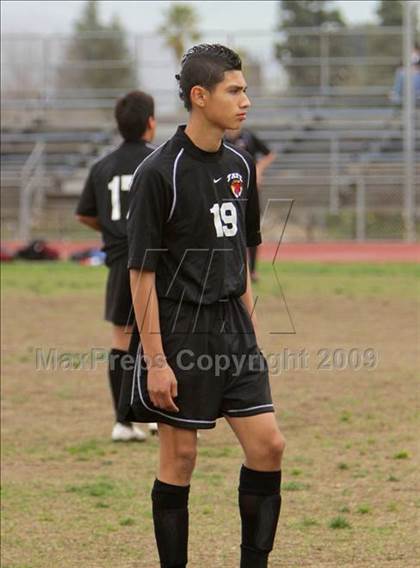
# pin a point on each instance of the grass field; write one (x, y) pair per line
(71, 498)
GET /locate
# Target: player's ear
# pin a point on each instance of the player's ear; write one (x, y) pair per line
(198, 96)
(151, 123)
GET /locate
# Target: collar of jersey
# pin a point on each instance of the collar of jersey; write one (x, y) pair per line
(140, 142)
(194, 150)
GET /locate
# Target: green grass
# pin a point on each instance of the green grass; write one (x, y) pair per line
(46, 278)
(401, 456)
(349, 434)
(353, 279)
(88, 449)
(339, 523)
(293, 486)
(363, 509)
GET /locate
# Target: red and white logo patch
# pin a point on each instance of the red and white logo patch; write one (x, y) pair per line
(236, 184)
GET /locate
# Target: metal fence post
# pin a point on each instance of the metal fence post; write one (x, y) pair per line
(409, 119)
(361, 208)
(334, 172)
(325, 64)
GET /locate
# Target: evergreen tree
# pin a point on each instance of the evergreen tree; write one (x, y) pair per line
(390, 12)
(309, 13)
(98, 56)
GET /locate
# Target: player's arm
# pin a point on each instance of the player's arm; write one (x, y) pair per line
(253, 238)
(150, 203)
(91, 222)
(161, 381)
(248, 300)
(87, 211)
(262, 165)
(267, 157)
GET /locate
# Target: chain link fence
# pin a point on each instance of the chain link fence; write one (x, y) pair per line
(332, 118)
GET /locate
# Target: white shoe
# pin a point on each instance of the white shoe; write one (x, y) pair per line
(123, 433)
(153, 428)
(137, 433)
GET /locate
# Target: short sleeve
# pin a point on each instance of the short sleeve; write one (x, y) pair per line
(252, 216)
(260, 146)
(150, 203)
(87, 203)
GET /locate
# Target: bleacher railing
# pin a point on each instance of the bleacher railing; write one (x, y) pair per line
(32, 190)
(32, 85)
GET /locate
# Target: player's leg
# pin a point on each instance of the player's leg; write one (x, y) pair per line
(252, 255)
(178, 450)
(120, 343)
(259, 485)
(118, 357)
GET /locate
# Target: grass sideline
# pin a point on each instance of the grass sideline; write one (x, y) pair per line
(72, 498)
(47, 278)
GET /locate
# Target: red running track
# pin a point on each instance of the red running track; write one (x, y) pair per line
(345, 251)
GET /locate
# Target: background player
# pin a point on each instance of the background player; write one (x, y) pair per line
(103, 207)
(263, 157)
(193, 210)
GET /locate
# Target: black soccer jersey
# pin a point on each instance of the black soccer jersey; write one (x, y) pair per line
(106, 194)
(251, 143)
(192, 215)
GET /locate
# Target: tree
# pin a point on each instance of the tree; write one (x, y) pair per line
(179, 28)
(98, 56)
(390, 13)
(308, 13)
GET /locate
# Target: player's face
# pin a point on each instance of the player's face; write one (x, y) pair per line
(227, 103)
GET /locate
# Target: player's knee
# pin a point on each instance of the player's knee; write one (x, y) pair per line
(274, 448)
(184, 458)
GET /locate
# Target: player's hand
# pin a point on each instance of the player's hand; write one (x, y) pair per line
(162, 387)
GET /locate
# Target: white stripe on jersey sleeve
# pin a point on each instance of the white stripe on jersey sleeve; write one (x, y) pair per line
(174, 183)
(245, 162)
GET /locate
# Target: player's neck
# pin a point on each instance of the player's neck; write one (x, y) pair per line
(203, 134)
(148, 135)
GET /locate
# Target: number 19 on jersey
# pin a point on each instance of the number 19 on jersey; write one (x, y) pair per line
(225, 219)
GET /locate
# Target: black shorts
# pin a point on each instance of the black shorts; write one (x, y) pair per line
(219, 368)
(118, 304)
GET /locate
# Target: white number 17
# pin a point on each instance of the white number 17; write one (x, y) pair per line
(117, 184)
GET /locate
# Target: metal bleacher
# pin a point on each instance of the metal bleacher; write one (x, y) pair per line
(63, 163)
(325, 148)
(335, 141)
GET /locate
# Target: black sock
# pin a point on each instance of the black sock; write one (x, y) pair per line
(259, 505)
(115, 373)
(170, 517)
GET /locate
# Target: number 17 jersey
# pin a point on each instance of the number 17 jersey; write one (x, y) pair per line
(106, 194)
(192, 215)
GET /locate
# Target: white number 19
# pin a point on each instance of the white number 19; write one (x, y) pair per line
(225, 219)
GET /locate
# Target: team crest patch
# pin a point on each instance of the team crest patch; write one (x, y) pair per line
(236, 184)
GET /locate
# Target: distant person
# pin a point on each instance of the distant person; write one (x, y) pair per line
(397, 93)
(103, 207)
(263, 157)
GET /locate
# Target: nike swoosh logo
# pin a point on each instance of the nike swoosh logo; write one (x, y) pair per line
(217, 180)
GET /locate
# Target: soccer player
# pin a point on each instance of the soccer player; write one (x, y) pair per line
(247, 140)
(103, 207)
(263, 157)
(193, 211)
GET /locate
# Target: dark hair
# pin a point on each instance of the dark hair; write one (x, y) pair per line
(205, 65)
(132, 113)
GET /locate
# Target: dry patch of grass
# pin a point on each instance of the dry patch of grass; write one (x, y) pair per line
(350, 496)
